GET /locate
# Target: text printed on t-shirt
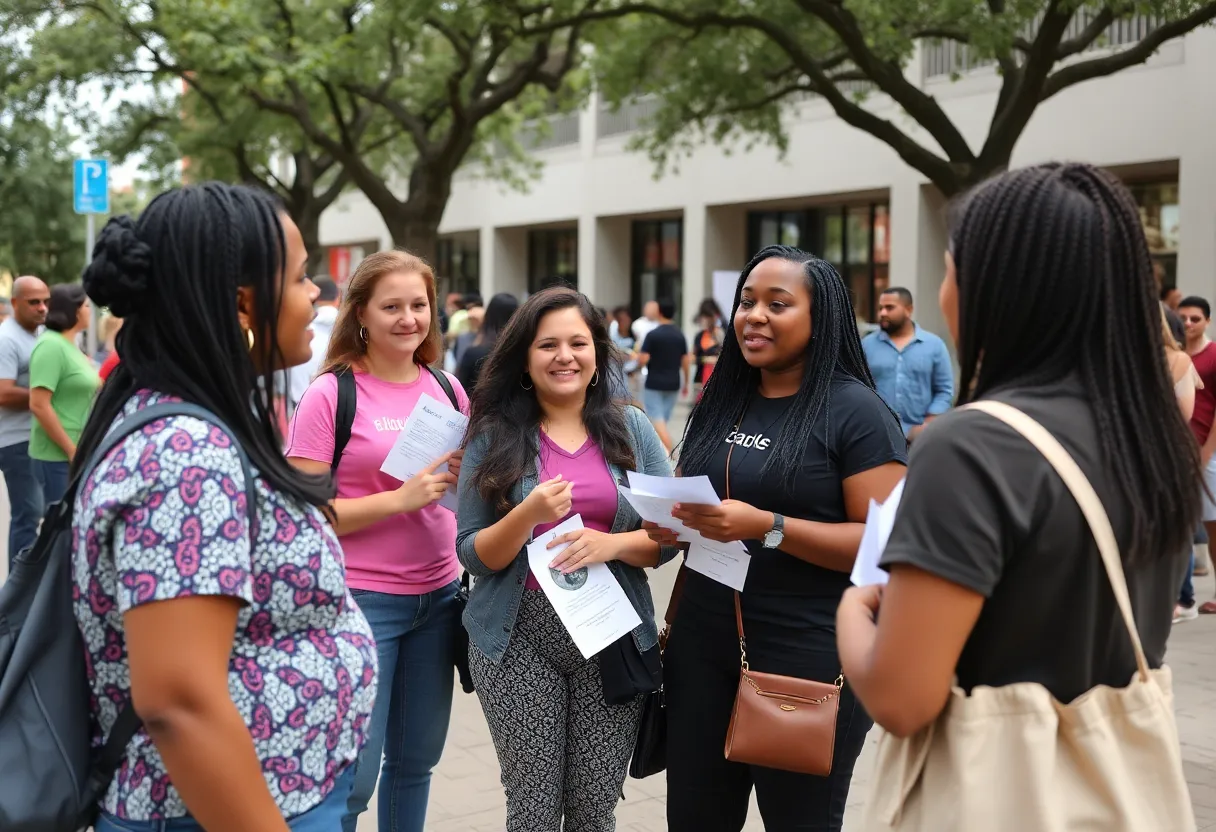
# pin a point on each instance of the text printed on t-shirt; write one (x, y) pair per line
(749, 440)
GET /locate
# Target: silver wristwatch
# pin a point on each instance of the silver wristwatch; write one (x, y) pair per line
(776, 534)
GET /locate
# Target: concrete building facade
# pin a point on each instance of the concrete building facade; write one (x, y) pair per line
(597, 216)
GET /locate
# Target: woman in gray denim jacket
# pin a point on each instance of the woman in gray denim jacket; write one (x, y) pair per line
(547, 441)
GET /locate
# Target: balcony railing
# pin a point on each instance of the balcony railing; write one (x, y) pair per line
(630, 117)
(560, 131)
(945, 58)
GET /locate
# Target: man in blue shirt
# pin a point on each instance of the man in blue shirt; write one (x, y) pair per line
(910, 365)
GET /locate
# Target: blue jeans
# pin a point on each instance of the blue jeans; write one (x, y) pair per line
(1187, 597)
(24, 498)
(53, 477)
(324, 817)
(415, 636)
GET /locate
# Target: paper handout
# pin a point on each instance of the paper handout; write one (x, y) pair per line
(657, 510)
(432, 429)
(589, 601)
(653, 498)
(726, 563)
(695, 490)
(879, 521)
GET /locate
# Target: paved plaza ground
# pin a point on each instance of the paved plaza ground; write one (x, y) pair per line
(466, 795)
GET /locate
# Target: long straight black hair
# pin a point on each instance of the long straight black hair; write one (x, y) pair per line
(498, 314)
(834, 348)
(1031, 248)
(173, 278)
(509, 415)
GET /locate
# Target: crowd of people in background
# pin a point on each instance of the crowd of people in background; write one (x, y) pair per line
(286, 616)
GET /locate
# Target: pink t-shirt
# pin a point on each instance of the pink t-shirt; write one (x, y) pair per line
(407, 554)
(595, 494)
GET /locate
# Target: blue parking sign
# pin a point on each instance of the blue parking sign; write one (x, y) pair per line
(91, 186)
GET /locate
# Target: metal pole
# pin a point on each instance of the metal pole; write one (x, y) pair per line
(91, 338)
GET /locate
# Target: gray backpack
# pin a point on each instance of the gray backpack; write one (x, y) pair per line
(51, 779)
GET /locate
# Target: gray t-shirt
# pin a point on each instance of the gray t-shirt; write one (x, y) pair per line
(16, 344)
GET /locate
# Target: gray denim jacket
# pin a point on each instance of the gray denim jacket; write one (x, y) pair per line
(495, 596)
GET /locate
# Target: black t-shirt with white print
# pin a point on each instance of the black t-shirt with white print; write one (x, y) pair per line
(855, 432)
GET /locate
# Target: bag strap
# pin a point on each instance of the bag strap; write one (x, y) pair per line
(1089, 501)
(128, 723)
(442, 378)
(344, 415)
(348, 399)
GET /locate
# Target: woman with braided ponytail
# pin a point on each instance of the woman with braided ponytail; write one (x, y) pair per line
(797, 442)
(995, 577)
(223, 645)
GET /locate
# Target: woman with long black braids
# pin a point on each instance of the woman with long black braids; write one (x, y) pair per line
(791, 409)
(234, 637)
(995, 576)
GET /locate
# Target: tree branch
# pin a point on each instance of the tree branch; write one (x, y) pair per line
(887, 76)
(510, 87)
(1076, 73)
(335, 108)
(1020, 96)
(1088, 35)
(327, 197)
(459, 42)
(285, 15)
(499, 42)
(413, 125)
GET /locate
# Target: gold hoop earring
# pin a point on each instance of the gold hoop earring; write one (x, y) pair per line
(521, 382)
(249, 338)
(363, 334)
(595, 378)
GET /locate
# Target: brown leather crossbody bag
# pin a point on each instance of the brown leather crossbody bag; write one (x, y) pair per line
(780, 722)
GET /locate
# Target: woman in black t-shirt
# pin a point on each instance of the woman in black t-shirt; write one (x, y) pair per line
(995, 578)
(812, 445)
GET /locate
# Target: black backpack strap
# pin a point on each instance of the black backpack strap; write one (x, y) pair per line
(128, 723)
(446, 384)
(344, 415)
(104, 766)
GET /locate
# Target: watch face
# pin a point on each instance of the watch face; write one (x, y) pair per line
(773, 539)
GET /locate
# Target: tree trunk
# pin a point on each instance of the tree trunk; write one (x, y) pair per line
(420, 237)
(309, 223)
(969, 176)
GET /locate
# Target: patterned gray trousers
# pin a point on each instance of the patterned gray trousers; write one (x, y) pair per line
(562, 751)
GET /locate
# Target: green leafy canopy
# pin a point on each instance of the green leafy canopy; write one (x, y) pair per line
(730, 70)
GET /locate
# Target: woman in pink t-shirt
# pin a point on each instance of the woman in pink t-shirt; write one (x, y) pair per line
(400, 545)
(548, 440)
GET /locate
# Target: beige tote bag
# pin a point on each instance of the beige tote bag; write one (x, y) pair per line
(1013, 759)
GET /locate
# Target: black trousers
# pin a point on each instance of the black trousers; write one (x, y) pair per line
(705, 792)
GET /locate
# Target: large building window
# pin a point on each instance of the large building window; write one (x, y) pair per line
(1160, 214)
(658, 265)
(552, 258)
(855, 239)
(458, 265)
